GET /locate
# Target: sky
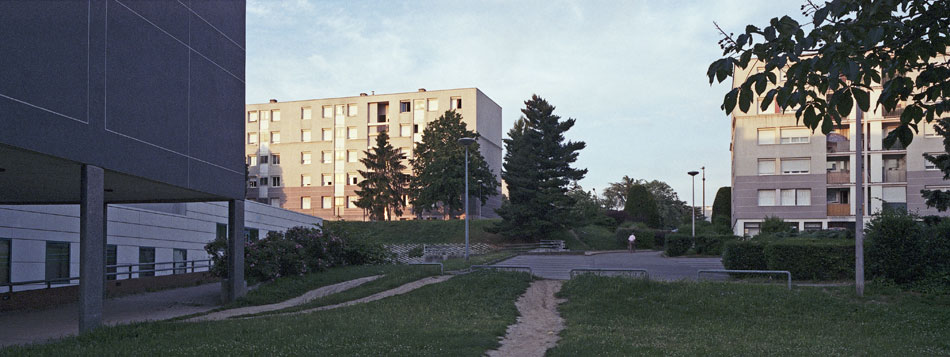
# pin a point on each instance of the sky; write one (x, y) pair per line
(632, 73)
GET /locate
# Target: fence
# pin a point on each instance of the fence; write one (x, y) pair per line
(179, 267)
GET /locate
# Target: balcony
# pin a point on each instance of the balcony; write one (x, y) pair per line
(839, 177)
(837, 141)
(839, 209)
(895, 176)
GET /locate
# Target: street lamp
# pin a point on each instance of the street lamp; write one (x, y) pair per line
(693, 174)
(479, 199)
(466, 142)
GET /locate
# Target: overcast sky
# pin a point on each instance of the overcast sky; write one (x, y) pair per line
(631, 72)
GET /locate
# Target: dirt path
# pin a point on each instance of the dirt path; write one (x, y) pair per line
(537, 327)
(302, 299)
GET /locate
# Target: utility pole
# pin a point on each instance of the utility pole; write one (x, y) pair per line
(704, 191)
(693, 208)
(859, 204)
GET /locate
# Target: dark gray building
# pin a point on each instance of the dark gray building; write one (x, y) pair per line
(111, 101)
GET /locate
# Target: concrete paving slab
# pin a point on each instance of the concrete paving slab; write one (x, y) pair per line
(657, 266)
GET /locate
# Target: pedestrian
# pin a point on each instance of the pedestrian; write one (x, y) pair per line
(632, 243)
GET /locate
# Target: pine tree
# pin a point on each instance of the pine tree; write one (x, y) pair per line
(438, 168)
(538, 170)
(384, 183)
(641, 206)
(722, 207)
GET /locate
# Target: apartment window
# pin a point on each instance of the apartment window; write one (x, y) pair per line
(340, 133)
(327, 180)
(327, 134)
(415, 128)
(305, 136)
(221, 231)
(275, 137)
(263, 181)
(305, 158)
(405, 130)
(929, 166)
(456, 103)
(351, 133)
(265, 115)
(340, 178)
(252, 138)
(264, 159)
(146, 256)
(305, 180)
(795, 166)
(351, 201)
(274, 201)
(812, 226)
(275, 181)
(328, 111)
(352, 179)
(339, 155)
(305, 202)
(766, 166)
(252, 116)
(351, 110)
(327, 202)
(252, 182)
(305, 113)
(404, 107)
(338, 201)
(751, 228)
(5, 245)
(340, 109)
(796, 197)
(180, 257)
(766, 197)
(327, 157)
(432, 105)
(766, 136)
(275, 115)
(112, 258)
(275, 159)
(252, 160)
(351, 156)
(57, 260)
(795, 135)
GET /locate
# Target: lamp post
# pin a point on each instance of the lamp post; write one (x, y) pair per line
(703, 209)
(466, 142)
(693, 174)
(479, 198)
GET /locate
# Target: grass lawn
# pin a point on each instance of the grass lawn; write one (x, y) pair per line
(463, 316)
(420, 231)
(616, 316)
(598, 238)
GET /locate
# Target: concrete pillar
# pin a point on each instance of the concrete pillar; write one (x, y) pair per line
(235, 249)
(91, 243)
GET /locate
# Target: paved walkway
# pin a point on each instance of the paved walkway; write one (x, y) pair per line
(30, 326)
(658, 267)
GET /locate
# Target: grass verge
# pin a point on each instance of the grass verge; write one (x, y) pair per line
(420, 231)
(616, 316)
(598, 237)
(463, 316)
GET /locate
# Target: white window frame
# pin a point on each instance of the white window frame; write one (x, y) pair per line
(253, 116)
(275, 137)
(759, 136)
(764, 161)
(929, 166)
(352, 110)
(760, 201)
(275, 181)
(794, 139)
(326, 202)
(275, 115)
(306, 158)
(305, 202)
(352, 156)
(306, 136)
(326, 134)
(795, 172)
(306, 113)
(252, 138)
(306, 181)
(326, 157)
(352, 133)
(432, 104)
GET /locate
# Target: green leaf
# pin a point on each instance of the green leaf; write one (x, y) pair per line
(820, 15)
(730, 101)
(862, 97)
(745, 98)
(760, 83)
(768, 100)
(844, 103)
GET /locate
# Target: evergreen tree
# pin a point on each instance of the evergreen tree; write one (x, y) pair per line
(537, 170)
(641, 206)
(439, 168)
(384, 183)
(722, 207)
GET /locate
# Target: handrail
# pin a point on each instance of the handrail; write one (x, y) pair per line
(786, 272)
(441, 266)
(188, 265)
(597, 270)
(473, 267)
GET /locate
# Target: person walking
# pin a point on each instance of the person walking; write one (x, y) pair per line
(632, 243)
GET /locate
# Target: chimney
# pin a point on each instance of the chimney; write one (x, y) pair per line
(363, 94)
(273, 100)
(422, 89)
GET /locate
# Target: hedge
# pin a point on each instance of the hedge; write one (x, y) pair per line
(712, 244)
(678, 244)
(806, 259)
(646, 238)
(744, 255)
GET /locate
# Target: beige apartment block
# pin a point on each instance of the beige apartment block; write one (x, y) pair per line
(304, 155)
(781, 168)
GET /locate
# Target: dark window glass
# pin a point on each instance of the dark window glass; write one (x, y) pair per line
(146, 255)
(222, 231)
(111, 259)
(180, 256)
(404, 107)
(251, 234)
(5, 245)
(275, 159)
(57, 260)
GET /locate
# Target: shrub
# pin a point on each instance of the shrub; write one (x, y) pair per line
(646, 238)
(773, 225)
(722, 207)
(367, 253)
(744, 255)
(641, 206)
(812, 259)
(659, 238)
(712, 244)
(901, 249)
(678, 244)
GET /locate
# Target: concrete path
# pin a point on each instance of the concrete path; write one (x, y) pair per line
(300, 300)
(33, 326)
(538, 325)
(658, 267)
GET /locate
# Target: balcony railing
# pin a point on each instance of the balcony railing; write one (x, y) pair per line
(895, 176)
(839, 209)
(839, 146)
(839, 177)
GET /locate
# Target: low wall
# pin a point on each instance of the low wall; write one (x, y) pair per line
(415, 253)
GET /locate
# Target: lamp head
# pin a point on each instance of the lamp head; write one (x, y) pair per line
(693, 173)
(466, 141)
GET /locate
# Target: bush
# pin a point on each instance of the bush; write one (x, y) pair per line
(646, 238)
(678, 244)
(773, 225)
(744, 255)
(812, 259)
(901, 249)
(712, 244)
(367, 253)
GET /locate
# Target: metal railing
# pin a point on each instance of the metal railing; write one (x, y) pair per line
(182, 267)
(441, 266)
(787, 273)
(503, 267)
(603, 272)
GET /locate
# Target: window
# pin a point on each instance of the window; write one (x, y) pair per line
(929, 130)
(305, 180)
(338, 201)
(263, 181)
(252, 116)
(275, 137)
(252, 138)
(251, 234)
(795, 166)
(275, 181)
(751, 228)
(264, 159)
(146, 255)
(328, 111)
(405, 130)
(340, 109)
(5, 245)
(57, 260)
(415, 128)
(275, 115)
(340, 133)
(796, 197)
(404, 107)
(351, 132)
(305, 136)
(766, 136)
(351, 201)
(340, 178)
(456, 103)
(351, 110)
(305, 158)
(795, 136)
(327, 202)
(327, 157)
(221, 231)
(405, 151)
(352, 179)
(327, 180)
(339, 155)
(180, 257)
(252, 182)
(265, 115)
(252, 160)
(766, 197)
(351, 156)
(275, 159)
(929, 166)
(432, 105)
(305, 113)
(327, 135)
(305, 202)
(766, 166)
(274, 201)
(111, 259)
(812, 226)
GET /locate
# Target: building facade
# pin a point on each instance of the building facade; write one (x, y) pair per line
(304, 155)
(781, 168)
